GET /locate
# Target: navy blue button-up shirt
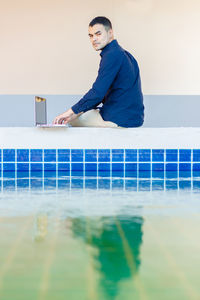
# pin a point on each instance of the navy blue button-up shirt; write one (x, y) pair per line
(118, 87)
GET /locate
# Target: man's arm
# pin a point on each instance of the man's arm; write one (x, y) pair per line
(108, 69)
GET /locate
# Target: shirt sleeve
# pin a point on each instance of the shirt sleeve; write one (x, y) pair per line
(108, 69)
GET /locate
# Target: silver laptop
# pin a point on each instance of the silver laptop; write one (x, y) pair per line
(41, 113)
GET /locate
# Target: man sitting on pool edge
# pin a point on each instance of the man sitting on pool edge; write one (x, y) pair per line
(117, 86)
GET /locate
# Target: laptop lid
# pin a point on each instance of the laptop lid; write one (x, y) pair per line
(40, 111)
(41, 114)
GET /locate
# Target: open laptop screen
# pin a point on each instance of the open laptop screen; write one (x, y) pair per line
(40, 111)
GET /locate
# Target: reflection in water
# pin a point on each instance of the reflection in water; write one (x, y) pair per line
(117, 241)
(41, 227)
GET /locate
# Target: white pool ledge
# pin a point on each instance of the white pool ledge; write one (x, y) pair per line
(81, 138)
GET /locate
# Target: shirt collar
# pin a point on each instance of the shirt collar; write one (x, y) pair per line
(109, 46)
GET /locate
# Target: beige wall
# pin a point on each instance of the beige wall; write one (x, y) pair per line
(45, 47)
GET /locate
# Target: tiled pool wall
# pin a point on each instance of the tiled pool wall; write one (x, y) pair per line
(137, 169)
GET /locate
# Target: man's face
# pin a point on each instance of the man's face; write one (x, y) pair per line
(99, 36)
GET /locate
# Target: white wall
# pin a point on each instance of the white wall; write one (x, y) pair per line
(45, 48)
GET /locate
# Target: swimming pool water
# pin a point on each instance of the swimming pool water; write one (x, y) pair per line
(67, 241)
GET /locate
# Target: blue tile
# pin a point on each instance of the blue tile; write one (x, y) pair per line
(144, 174)
(49, 183)
(171, 155)
(196, 167)
(184, 174)
(144, 167)
(49, 167)
(104, 184)
(0, 154)
(36, 183)
(77, 155)
(36, 170)
(158, 155)
(131, 170)
(22, 167)
(63, 155)
(77, 183)
(90, 155)
(184, 167)
(63, 169)
(144, 185)
(9, 174)
(117, 155)
(8, 167)
(171, 184)
(171, 167)
(131, 185)
(131, 167)
(8, 154)
(184, 170)
(117, 170)
(49, 170)
(91, 184)
(196, 185)
(196, 174)
(196, 155)
(9, 185)
(158, 170)
(171, 170)
(131, 155)
(22, 155)
(36, 155)
(171, 174)
(64, 183)
(22, 170)
(185, 184)
(184, 155)
(22, 183)
(157, 185)
(49, 155)
(104, 169)
(144, 155)
(157, 167)
(104, 155)
(91, 169)
(117, 184)
(76, 169)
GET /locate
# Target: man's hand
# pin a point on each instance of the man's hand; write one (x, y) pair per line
(66, 117)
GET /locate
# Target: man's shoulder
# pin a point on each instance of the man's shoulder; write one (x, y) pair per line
(114, 53)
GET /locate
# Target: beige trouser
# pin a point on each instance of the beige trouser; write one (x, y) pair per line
(91, 118)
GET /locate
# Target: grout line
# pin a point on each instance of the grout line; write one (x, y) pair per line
(1, 170)
(84, 177)
(192, 173)
(56, 169)
(165, 155)
(29, 169)
(151, 166)
(70, 169)
(178, 165)
(16, 188)
(43, 169)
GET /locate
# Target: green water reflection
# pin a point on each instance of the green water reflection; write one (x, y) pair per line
(118, 242)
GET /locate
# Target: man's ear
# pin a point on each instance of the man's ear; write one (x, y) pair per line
(110, 32)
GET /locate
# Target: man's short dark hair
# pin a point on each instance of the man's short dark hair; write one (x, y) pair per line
(101, 20)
